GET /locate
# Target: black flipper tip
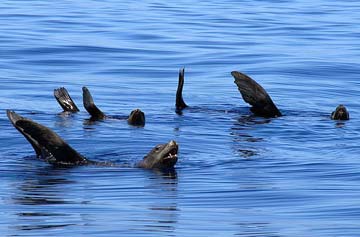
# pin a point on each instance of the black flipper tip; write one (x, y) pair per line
(13, 117)
(180, 103)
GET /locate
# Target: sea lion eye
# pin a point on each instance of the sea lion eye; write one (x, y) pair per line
(157, 148)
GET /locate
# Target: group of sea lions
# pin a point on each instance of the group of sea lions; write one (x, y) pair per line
(136, 117)
(51, 148)
(256, 96)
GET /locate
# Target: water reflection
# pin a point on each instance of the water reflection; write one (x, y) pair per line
(243, 141)
(38, 188)
(90, 122)
(340, 124)
(163, 212)
(37, 192)
(247, 153)
(65, 119)
(256, 229)
(246, 120)
(166, 173)
(41, 226)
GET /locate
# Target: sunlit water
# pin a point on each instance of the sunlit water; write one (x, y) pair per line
(237, 175)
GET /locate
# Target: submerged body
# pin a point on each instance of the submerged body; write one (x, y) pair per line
(340, 113)
(256, 96)
(51, 148)
(136, 117)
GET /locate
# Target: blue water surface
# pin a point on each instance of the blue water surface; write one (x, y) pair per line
(237, 175)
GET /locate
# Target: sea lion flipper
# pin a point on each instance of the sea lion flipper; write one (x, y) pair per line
(46, 143)
(255, 95)
(90, 106)
(63, 98)
(14, 118)
(180, 104)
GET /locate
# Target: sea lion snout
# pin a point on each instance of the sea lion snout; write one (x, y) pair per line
(172, 143)
(162, 156)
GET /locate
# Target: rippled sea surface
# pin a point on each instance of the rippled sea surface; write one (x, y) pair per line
(237, 175)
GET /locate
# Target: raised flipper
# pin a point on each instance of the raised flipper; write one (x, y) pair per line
(46, 143)
(67, 104)
(340, 113)
(255, 95)
(90, 106)
(136, 118)
(180, 104)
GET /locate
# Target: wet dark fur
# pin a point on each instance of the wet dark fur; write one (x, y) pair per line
(340, 113)
(162, 156)
(136, 118)
(63, 98)
(90, 106)
(47, 144)
(179, 103)
(255, 95)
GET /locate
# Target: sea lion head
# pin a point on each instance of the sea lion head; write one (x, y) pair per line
(162, 156)
(340, 113)
(137, 118)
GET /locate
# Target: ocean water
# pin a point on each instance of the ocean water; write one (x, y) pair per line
(237, 175)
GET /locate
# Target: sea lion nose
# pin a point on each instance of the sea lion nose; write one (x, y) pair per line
(172, 143)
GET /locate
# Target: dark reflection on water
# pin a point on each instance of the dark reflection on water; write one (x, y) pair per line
(249, 120)
(42, 191)
(242, 137)
(41, 188)
(247, 153)
(40, 227)
(167, 174)
(162, 216)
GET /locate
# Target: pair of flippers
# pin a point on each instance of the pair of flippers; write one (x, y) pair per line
(51, 148)
(136, 117)
(255, 95)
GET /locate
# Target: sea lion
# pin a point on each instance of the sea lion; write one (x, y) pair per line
(340, 113)
(63, 98)
(162, 156)
(51, 148)
(179, 103)
(255, 95)
(136, 117)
